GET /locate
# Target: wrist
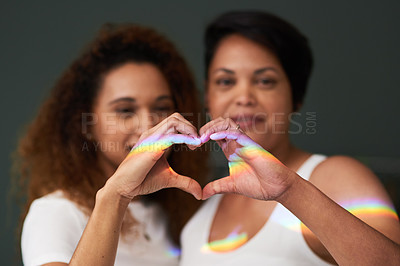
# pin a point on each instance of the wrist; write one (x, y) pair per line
(293, 182)
(110, 194)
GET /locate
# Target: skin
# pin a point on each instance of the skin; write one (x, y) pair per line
(133, 98)
(236, 86)
(146, 170)
(131, 106)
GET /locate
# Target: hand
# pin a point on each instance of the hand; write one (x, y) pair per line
(253, 171)
(146, 170)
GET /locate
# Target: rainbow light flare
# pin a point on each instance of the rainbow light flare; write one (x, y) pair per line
(255, 151)
(237, 166)
(358, 207)
(231, 242)
(149, 147)
(173, 252)
(293, 224)
(370, 207)
(159, 143)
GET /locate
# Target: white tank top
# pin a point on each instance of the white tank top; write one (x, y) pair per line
(279, 241)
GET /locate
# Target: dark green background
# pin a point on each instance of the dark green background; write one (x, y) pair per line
(354, 90)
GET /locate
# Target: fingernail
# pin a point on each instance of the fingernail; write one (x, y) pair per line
(214, 136)
(196, 141)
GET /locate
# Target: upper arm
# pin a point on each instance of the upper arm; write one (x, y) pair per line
(356, 188)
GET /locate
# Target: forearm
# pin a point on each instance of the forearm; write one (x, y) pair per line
(99, 241)
(349, 240)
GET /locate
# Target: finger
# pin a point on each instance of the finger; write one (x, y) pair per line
(190, 129)
(171, 139)
(235, 134)
(246, 148)
(220, 125)
(172, 124)
(256, 156)
(204, 128)
(215, 126)
(226, 134)
(222, 185)
(156, 144)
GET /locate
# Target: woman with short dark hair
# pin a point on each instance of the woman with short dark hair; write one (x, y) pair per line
(280, 205)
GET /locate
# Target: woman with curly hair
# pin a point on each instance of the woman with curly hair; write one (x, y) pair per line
(79, 200)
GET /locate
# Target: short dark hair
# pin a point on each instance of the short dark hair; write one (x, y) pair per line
(283, 39)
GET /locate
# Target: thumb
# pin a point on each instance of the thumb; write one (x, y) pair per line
(222, 185)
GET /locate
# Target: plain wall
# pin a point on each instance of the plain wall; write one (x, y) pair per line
(354, 90)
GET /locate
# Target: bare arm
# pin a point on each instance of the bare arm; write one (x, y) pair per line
(257, 174)
(98, 245)
(349, 240)
(145, 170)
(353, 186)
(99, 242)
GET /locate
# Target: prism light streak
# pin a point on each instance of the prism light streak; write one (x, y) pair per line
(237, 166)
(173, 252)
(159, 146)
(161, 143)
(292, 224)
(253, 152)
(370, 207)
(231, 242)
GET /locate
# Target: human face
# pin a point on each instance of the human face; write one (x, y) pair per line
(247, 83)
(133, 98)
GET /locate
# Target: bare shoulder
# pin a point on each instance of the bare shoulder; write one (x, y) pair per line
(343, 178)
(356, 188)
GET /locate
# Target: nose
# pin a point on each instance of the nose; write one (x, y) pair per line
(245, 95)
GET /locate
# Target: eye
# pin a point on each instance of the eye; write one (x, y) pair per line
(124, 110)
(265, 82)
(165, 108)
(225, 82)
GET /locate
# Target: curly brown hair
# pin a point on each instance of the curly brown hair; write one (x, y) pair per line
(50, 156)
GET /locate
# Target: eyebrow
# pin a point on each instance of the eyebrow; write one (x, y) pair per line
(122, 99)
(258, 71)
(225, 70)
(163, 97)
(262, 70)
(133, 100)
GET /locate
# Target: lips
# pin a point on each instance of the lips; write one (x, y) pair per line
(247, 121)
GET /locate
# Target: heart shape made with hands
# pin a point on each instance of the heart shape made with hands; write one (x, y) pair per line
(253, 171)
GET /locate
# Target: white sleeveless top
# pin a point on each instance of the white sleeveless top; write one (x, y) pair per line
(54, 226)
(279, 241)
